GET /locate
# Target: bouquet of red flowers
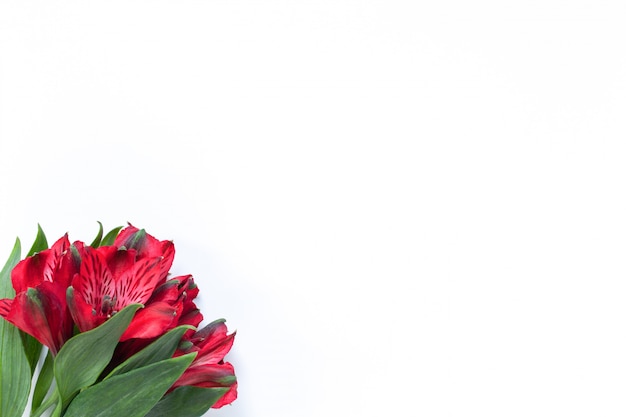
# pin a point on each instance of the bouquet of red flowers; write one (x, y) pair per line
(119, 336)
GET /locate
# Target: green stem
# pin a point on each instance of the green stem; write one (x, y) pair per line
(53, 399)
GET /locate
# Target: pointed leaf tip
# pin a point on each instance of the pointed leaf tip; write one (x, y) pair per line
(40, 243)
(98, 239)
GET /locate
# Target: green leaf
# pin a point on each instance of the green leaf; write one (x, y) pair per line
(6, 288)
(161, 349)
(83, 358)
(44, 381)
(14, 367)
(40, 243)
(98, 239)
(187, 401)
(14, 372)
(109, 238)
(59, 407)
(32, 347)
(53, 399)
(132, 394)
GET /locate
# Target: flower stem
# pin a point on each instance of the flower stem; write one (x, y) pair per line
(53, 399)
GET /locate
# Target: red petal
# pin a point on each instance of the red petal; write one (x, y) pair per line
(151, 321)
(215, 375)
(137, 284)
(167, 252)
(66, 268)
(40, 313)
(188, 285)
(60, 246)
(147, 246)
(166, 292)
(215, 329)
(228, 398)
(82, 312)
(5, 306)
(40, 267)
(215, 350)
(193, 318)
(212, 376)
(125, 236)
(32, 271)
(94, 280)
(118, 260)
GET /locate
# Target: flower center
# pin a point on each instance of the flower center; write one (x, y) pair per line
(108, 306)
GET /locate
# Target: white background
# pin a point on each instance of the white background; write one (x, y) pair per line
(404, 208)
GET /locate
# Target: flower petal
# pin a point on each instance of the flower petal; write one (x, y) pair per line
(147, 246)
(67, 266)
(83, 313)
(166, 292)
(40, 313)
(215, 375)
(191, 317)
(118, 260)
(214, 350)
(124, 237)
(228, 398)
(94, 281)
(151, 321)
(5, 306)
(137, 284)
(33, 270)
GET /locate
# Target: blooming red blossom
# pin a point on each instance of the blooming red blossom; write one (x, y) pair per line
(75, 285)
(128, 272)
(39, 307)
(178, 293)
(208, 369)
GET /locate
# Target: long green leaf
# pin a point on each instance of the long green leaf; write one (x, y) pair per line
(161, 349)
(15, 371)
(98, 239)
(59, 407)
(187, 401)
(6, 288)
(83, 358)
(132, 394)
(53, 399)
(32, 348)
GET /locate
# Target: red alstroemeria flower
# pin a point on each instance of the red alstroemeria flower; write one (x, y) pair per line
(147, 246)
(208, 369)
(76, 285)
(39, 307)
(112, 277)
(178, 293)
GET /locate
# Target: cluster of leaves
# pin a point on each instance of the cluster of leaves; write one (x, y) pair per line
(78, 381)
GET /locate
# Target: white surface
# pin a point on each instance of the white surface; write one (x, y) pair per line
(404, 208)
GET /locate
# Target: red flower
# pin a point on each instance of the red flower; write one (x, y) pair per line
(76, 285)
(39, 307)
(178, 293)
(112, 277)
(65, 284)
(208, 368)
